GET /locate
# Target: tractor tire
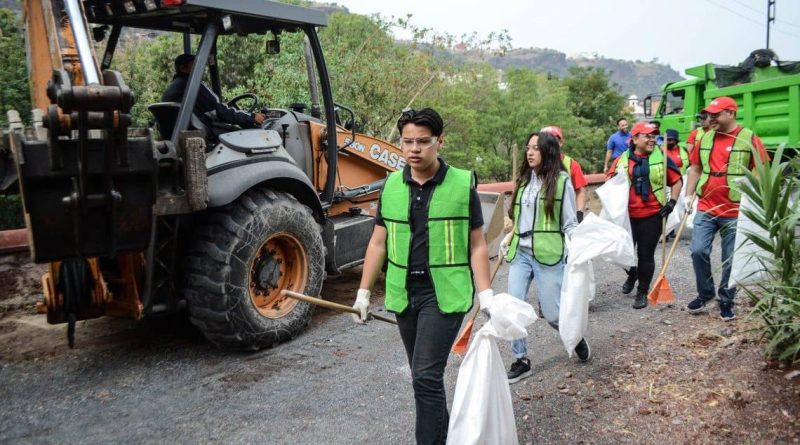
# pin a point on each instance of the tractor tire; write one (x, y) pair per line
(241, 257)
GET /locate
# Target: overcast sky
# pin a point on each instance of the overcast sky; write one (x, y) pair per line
(681, 33)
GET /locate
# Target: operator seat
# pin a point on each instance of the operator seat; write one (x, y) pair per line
(166, 115)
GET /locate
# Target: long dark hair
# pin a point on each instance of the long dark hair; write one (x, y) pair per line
(548, 172)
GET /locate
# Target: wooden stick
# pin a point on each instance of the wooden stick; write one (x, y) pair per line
(677, 238)
(334, 306)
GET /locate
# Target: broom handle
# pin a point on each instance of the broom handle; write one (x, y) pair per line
(677, 237)
(664, 219)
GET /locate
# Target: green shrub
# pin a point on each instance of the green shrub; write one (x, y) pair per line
(11, 212)
(776, 299)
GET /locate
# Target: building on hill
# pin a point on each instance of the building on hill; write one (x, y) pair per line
(635, 107)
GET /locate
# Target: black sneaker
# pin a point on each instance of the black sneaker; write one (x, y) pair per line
(697, 305)
(519, 370)
(641, 300)
(726, 313)
(583, 351)
(627, 286)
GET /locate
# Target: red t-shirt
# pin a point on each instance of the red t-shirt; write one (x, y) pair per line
(637, 208)
(692, 137)
(576, 174)
(715, 198)
(675, 155)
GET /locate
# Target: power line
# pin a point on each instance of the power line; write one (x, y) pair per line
(758, 11)
(751, 20)
(787, 24)
(735, 12)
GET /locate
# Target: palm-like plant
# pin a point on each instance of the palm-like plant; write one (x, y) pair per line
(773, 188)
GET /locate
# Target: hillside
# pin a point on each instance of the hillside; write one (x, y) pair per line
(632, 77)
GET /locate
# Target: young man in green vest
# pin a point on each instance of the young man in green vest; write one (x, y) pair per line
(722, 156)
(428, 230)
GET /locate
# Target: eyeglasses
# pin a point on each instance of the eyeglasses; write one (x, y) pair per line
(421, 143)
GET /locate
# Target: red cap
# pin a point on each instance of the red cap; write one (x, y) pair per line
(644, 128)
(555, 131)
(721, 103)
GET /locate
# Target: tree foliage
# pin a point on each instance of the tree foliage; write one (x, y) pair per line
(487, 112)
(14, 93)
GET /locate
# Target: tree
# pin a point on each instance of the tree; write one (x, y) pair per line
(592, 97)
(15, 93)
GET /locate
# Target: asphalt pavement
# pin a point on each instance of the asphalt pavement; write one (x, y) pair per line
(159, 381)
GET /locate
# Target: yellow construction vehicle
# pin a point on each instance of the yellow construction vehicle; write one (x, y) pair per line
(213, 217)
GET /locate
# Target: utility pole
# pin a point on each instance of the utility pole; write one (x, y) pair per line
(770, 17)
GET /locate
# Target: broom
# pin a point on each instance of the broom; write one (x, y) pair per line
(662, 292)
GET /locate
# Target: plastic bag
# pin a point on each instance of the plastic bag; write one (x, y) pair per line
(482, 411)
(594, 239)
(746, 268)
(614, 196)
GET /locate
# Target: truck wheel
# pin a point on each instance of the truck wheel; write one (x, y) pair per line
(242, 256)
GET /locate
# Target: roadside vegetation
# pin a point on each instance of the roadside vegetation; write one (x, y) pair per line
(774, 189)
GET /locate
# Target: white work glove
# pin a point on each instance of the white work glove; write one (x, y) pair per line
(485, 300)
(687, 200)
(362, 304)
(505, 243)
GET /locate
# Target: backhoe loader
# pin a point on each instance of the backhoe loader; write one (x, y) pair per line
(207, 216)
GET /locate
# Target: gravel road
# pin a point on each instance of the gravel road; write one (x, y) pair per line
(337, 383)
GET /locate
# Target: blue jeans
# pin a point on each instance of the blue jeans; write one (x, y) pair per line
(705, 227)
(428, 335)
(548, 283)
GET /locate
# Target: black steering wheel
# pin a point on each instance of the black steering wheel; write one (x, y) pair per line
(235, 101)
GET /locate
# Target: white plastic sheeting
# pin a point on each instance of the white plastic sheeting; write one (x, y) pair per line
(614, 196)
(482, 412)
(746, 268)
(595, 239)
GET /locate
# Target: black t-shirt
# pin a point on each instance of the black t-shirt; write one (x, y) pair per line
(419, 197)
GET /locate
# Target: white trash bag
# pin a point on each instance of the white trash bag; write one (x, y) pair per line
(482, 411)
(594, 239)
(746, 267)
(614, 196)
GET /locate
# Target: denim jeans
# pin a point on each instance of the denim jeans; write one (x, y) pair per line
(428, 335)
(548, 283)
(705, 227)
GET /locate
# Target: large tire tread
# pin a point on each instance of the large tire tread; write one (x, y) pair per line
(217, 269)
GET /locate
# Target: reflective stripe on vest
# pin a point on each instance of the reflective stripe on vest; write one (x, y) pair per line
(656, 165)
(548, 239)
(738, 163)
(448, 240)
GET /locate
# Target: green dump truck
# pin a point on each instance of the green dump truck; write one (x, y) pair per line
(766, 90)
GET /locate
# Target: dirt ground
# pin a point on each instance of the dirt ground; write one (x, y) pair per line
(670, 378)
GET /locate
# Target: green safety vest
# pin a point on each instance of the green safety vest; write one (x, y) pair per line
(548, 239)
(698, 137)
(567, 163)
(656, 166)
(448, 240)
(738, 161)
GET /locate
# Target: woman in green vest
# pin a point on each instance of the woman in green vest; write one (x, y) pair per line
(428, 231)
(543, 213)
(648, 203)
